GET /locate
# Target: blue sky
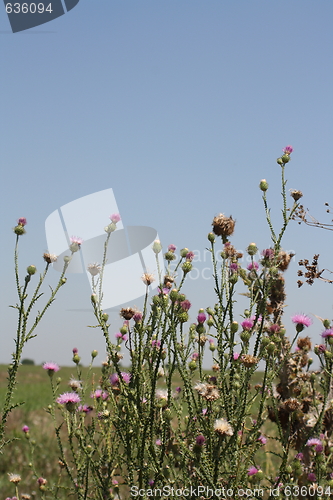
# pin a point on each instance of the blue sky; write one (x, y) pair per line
(181, 107)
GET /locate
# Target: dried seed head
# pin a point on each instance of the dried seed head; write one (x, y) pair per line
(223, 226)
(14, 478)
(147, 278)
(296, 194)
(49, 257)
(291, 405)
(127, 313)
(222, 427)
(304, 343)
(247, 360)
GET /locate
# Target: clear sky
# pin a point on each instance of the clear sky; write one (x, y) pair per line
(180, 106)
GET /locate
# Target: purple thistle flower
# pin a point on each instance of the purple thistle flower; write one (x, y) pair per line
(156, 343)
(288, 150)
(274, 328)
(68, 397)
(25, 429)
(99, 394)
(75, 350)
(86, 409)
(200, 440)
(115, 218)
(234, 267)
(262, 439)
(313, 442)
(301, 319)
(190, 256)
(322, 348)
(164, 290)
(312, 477)
(319, 448)
(137, 317)
(22, 221)
(185, 305)
(201, 318)
(327, 333)
(76, 239)
(253, 266)
(247, 324)
(299, 456)
(114, 378)
(172, 248)
(195, 356)
(51, 367)
(252, 471)
(151, 482)
(121, 336)
(236, 356)
(158, 442)
(268, 254)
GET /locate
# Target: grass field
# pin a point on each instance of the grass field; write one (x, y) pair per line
(33, 388)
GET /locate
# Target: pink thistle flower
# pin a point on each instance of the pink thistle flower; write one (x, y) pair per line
(69, 399)
(313, 442)
(262, 439)
(156, 343)
(236, 356)
(164, 291)
(99, 394)
(25, 429)
(200, 440)
(190, 256)
(185, 305)
(85, 409)
(137, 317)
(75, 350)
(299, 456)
(327, 333)
(115, 218)
(201, 318)
(195, 356)
(268, 254)
(114, 378)
(253, 266)
(158, 442)
(247, 324)
(319, 448)
(274, 328)
(121, 336)
(22, 221)
(172, 248)
(288, 150)
(51, 368)
(234, 267)
(151, 482)
(301, 319)
(312, 477)
(252, 471)
(41, 481)
(76, 239)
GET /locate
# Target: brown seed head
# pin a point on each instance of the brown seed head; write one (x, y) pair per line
(127, 313)
(223, 226)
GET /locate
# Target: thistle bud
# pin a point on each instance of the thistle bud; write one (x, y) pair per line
(245, 336)
(94, 353)
(263, 185)
(252, 249)
(186, 267)
(279, 161)
(285, 158)
(184, 252)
(173, 295)
(234, 327)
(19, 230)
(326, 323)
(211, 237)
(271, 348)
(157, 247)
(31, 270)
(192, 365)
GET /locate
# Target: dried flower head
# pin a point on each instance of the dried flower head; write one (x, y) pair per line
(14, 478)
(291, 405)
(223, 226)
(208, 391)
(296, 194)
(283, 260)
(94, 269)
(50, 257)
(127, 313)
(222, 427)
(304, 343)
(147, 278)
(248, 360)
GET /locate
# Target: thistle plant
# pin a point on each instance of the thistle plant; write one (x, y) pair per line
(166, 421)
(26, 326)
